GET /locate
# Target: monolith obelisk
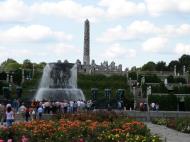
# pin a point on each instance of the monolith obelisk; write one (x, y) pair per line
(86, 56)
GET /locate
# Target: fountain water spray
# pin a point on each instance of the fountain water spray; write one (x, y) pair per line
(58, 83)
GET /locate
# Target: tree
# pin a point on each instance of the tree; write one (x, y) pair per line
(10, 65)
(185, 61)
(150, 66)
(40, 65)
(27, 64)
(161, 66)
(174, 63)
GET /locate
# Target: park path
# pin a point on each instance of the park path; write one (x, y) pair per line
(167, 134)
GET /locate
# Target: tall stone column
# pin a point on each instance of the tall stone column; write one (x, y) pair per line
(175, 72)
(23, 77)
(7, 79)
(86, 56)
(184, 70)
(33, 70)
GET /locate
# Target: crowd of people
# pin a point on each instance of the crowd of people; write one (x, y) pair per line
(36, 109)
(153, 106)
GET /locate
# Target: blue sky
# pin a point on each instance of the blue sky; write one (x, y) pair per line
(129, 32)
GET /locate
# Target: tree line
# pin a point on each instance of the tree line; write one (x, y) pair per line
(184, 60)
(11, 65)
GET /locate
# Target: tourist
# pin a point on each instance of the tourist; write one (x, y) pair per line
(153, 106)
(88, 105)
(65, 104)
(27, 114)
(75, 105)
(9, 116)
(22, 110)
(57, 105)
(157, 106)
(119, 105)
(33, 114)
(40, 112)
(71, 106)
(62, 107)
(82, 105)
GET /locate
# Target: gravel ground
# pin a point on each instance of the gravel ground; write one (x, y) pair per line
(167, 134)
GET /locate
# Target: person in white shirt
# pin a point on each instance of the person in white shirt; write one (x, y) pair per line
(9, 116)
(71, 106)
(40, 111)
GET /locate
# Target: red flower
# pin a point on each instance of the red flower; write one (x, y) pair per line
(81, 140)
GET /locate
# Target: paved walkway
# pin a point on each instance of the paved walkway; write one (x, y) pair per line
(167, 134)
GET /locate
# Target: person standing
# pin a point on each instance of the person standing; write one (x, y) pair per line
(27, 114)
(9, 116)
(40, 111)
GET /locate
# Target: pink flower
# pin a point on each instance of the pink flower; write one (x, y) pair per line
(1, 140)
(81, 140)
(24, 139)
(10, 140)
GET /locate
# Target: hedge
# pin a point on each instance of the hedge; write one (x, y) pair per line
(166, 102)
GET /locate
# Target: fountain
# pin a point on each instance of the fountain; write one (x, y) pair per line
(59, 82)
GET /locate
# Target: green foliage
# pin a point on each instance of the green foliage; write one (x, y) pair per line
(182, 90)
(149, 78)
(3, 84)
(10, 65)
(184, 60)
(27, 64)
(3, 75)
(180, 124)
(171, 79)
(81, 127)
(187, 103)
(159, 121)
(183, 125)
(161, 66)
(40, 66)
(150, 66)
(174, 63)
(159, 88)
(166, 102)
(132, 75)
(86, 82)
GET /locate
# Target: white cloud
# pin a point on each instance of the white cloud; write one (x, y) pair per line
(117, 51)
(19, 10)
(18, 53)
(69, 9)
(47, 52)
(14, 10)
(137, 29)
(32, 33)
(158, 7)
(155, 44)
(122, 8)
(182, 49)
(61, 49)
(141, 30)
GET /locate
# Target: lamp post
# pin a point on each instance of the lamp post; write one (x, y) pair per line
(23, 77)
(94, 92)
(7, 79)
(148, 109)
(32, 70)
(134, 94)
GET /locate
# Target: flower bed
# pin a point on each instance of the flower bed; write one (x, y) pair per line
(81, 128)
(180, 124)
